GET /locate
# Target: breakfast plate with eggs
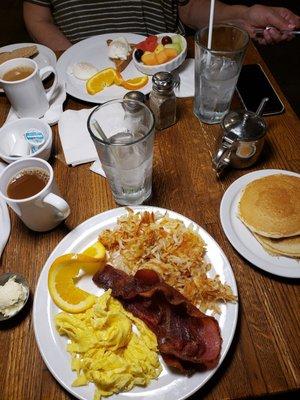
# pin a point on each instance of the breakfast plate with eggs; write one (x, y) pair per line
(60, 335)
(84, 59)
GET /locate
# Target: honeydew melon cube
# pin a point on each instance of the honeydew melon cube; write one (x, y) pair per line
(176, 39)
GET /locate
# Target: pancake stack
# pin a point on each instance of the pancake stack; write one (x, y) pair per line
(270, 208)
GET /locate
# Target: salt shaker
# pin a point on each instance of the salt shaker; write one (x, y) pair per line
(135, 95)
(163, 100)
(134, 111)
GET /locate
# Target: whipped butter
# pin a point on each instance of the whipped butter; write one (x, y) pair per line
(119, 48)
(12, 297)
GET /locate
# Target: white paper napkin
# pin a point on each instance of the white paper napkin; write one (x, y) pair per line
(78, 146)
(55, 110)
(97, 167)
(187, 82)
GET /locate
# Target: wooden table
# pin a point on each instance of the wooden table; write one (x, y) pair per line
(264, 356)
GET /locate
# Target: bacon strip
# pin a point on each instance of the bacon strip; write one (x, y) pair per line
(187, 338)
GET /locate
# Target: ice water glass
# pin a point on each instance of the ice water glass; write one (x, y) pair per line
(217, 70)
(125, 148)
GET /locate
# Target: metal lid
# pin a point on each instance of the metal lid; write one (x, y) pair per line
(133, 100)
(246, 125)
(163, 81)
(135, 95)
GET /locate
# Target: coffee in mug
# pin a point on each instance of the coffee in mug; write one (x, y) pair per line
(29, 188)
(18, 73)
(27, 183)
(21, 80)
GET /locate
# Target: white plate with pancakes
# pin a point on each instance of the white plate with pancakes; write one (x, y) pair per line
(260, 253)
(94, 51)
(52, 346)
(43, 57)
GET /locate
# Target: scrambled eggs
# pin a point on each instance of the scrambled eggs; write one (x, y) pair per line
(106, 351)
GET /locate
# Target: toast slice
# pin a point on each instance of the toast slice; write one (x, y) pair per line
(22, 52)
(121, 64)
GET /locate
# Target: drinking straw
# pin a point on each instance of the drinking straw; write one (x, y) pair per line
(211, 22)
(100, 131)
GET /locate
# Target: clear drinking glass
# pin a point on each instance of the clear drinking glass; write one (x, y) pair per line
(123, 133)
(217, 70)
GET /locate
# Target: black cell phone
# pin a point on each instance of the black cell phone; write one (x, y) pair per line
(253, 85)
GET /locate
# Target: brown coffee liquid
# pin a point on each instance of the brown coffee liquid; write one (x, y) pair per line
(27, 183)
(17, 74)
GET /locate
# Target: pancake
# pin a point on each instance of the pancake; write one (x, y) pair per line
(270, 206)
(284, 247)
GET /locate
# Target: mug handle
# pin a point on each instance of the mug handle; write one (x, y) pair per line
(42, 72)
(62, 207)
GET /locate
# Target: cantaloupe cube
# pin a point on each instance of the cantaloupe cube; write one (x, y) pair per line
(170, 53)
(162, 57)
(149, 59)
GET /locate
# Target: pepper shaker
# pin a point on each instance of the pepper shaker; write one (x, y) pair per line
(163, 100)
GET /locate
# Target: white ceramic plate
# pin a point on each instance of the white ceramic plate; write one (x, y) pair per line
(52, 347)
(44, 57)
(94, 50)
(241, 237)
(4, 220)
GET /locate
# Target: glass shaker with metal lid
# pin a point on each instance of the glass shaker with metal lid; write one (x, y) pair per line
(134, 111)
(163, 100)
(242, 140)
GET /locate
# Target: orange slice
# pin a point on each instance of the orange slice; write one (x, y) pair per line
(118, 78)
(97, 251)
(100, 80)
(63, 274)
(135, 83)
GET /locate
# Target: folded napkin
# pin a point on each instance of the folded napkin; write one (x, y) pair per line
(75, 139)
(187, 82)
(78, 146)
(55, 110)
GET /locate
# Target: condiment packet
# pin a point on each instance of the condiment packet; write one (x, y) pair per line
(35, 138)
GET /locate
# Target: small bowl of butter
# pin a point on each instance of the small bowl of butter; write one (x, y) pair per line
(14, 293)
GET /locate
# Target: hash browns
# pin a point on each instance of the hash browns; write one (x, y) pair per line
(166, 245)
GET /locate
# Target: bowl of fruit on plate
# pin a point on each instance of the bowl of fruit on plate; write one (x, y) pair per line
(163, 52)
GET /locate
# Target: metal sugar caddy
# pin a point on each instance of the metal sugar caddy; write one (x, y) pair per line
(242, 140)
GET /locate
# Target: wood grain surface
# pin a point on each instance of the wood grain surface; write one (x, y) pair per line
(264, 358)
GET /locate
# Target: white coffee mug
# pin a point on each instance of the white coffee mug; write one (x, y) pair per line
(27, 96)
(42, 211)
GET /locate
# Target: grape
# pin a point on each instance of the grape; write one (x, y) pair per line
(138, 54)
(166, 40)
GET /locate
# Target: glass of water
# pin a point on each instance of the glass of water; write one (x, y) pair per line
(217, 70)
(123, 133)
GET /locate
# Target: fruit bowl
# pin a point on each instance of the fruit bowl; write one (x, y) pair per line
(167, 66)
